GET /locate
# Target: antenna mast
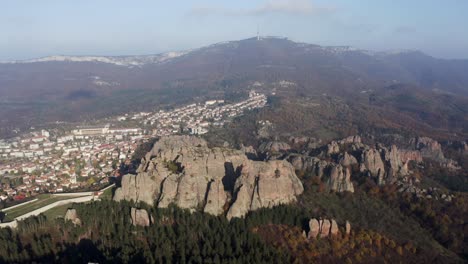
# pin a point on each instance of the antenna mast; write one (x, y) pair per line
(258, 32)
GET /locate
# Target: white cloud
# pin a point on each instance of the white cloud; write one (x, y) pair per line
(287, 7)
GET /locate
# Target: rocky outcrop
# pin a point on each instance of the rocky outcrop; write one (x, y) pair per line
(71, 215)
(274, 146)
(182, 170)
(429, 148)
(334, 228)
(371, 161)
(264, 184)
(139, 217)
(410, 155)
(335, 176)
(313, 165)
(394, 163)
(340, 179)
(347, 159)
(314, 228)
(325, 228)
(351, 140)
(273, 149)
(325, 225)
(332, 148)
(347, 228)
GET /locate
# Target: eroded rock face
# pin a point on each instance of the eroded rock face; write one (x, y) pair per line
(139, 217)
(410, 155)
(274, 146)
(333, 148)
(340, 179)
(394, 164)
(351, 140)
(314, 228)
(71, 215)
(429, 148)
(335, 176)
(184, 171)
(273, 149)
(347, 228)
(325, 228)
(334, 228)
(347, 159)
(264, 184)
(372, 162)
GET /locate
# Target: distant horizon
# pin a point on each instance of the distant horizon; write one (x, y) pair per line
(79, 54)
(33, 29)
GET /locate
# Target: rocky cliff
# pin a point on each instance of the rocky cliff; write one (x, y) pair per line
(334, 162)
(182, 170)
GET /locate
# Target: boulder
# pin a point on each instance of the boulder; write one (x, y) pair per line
(347, 228)
(71, 215)
(334, 231)
(325, 228)
(139, 217)
(314, 228)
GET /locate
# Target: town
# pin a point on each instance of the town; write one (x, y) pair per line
(54, 161)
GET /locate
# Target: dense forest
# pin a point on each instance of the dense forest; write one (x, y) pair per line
(385, 228)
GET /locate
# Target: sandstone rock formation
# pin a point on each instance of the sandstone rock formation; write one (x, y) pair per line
(410, 155)
(347, 228)
(372, 162)
(385, 165)
(273, 149)
(273, 146)
(332, 148)
(264, 184)
(72, 216)
(429, 148)
(351, 140)
(140, 217)
(184, 171)
(347, 159)
(335, 176)
(325, 228)
(340, 179)
(334, 228)
(314, 228)
(432, 149)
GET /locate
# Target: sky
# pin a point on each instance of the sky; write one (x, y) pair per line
(37, 28)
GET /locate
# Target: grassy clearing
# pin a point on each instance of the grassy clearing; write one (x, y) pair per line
(57, 212)
(107, 194)
(43, 200)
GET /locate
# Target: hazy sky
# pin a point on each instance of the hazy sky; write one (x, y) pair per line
(34, 28)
